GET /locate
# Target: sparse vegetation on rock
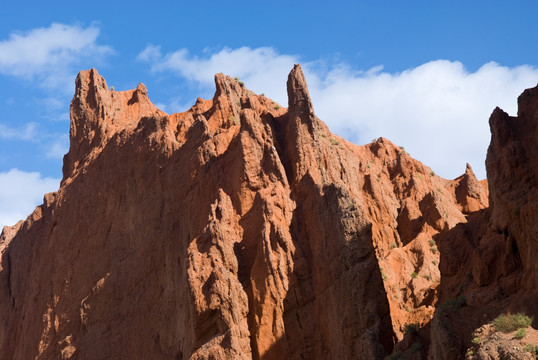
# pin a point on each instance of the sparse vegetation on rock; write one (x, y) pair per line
(511, 322)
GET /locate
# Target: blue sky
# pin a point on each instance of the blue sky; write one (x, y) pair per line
(425, 75)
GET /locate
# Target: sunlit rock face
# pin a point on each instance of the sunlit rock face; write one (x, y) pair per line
(241, 229)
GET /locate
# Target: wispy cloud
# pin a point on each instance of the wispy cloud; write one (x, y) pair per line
(150, 53)
(27, 132)
(21, 192)
(58, 147)
(49, 145)
(439, 110)
(49, 55)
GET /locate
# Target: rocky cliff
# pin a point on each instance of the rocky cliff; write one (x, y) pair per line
(240, 229)
(489, 262)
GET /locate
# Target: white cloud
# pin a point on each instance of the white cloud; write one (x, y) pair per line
(58, 148)
(27, 132)
(262, 69)
(150, 53)
(20, 193)
(160, 106)
(54, 109)
(49, 55)
(439, 110)
(62, 117)
(53, 103)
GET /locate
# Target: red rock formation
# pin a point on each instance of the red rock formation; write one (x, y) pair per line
(242, 230)
(489, 262)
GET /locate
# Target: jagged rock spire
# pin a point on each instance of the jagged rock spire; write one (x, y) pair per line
(298, 95)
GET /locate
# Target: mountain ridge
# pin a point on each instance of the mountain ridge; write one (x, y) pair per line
(241, 229)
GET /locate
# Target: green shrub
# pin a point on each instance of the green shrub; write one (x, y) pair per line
(456, 303)
(414, 275)
(383, 275)
(393, 245)
(431, 242)
(432, 173)
(520, 334)
(476, 340)
(276, 107)
(533, 349)
(510, 322)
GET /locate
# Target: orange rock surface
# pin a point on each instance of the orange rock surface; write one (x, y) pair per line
(240, 229)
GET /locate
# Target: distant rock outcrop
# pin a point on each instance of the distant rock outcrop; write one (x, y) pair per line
(243, 230)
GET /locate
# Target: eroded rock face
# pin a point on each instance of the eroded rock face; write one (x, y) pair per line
(235, 230)
(513, 175)
(490, 261)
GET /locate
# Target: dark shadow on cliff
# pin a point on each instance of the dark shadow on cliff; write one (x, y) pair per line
(336, 307)
(472, 291)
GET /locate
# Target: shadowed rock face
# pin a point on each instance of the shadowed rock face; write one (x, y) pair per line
(243, 230)
(490, 261)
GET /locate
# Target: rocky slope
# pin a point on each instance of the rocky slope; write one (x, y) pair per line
(243, 230)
